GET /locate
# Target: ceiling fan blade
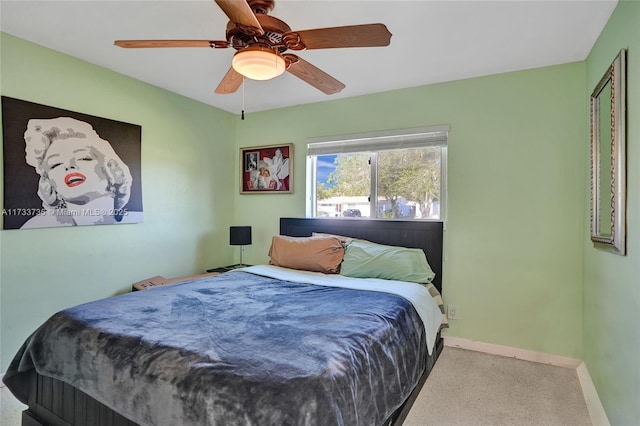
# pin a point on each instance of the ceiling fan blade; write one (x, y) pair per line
(230, 82)
(367, 35)
(241, 14)
(312, 75)
(171, 43)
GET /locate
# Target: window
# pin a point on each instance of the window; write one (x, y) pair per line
(398, 174)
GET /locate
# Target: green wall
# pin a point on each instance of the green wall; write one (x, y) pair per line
(513, 243)
(186, 195)
(515, 219)
(611, 324)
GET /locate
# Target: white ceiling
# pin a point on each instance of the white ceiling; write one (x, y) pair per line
(433, 41)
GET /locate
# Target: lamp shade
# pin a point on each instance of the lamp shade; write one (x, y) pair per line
(258, 62)
(239, 235)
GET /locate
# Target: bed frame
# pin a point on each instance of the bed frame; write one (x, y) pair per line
(55, 403)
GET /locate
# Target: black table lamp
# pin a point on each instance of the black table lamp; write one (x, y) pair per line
(240, 236)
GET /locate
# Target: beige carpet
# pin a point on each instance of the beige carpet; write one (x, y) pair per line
(473, 388)
(10, 408)
(467, 389)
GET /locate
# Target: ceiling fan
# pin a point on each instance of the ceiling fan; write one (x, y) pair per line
(262, 40)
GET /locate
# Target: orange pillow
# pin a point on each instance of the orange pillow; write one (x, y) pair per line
(344, 240)
(317, 254)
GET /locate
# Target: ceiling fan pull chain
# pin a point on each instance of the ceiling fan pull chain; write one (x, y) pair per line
(243, 97)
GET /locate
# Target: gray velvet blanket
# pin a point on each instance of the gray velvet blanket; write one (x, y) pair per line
(236, 349)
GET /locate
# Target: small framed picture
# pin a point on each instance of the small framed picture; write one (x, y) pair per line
(266, 169)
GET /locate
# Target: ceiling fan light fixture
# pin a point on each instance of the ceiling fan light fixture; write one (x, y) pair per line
(258, 62)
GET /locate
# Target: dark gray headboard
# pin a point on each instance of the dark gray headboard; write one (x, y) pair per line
(414, 234)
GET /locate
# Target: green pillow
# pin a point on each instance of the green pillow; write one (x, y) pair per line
(364, 259)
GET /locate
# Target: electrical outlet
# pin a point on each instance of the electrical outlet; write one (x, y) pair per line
(452, 312)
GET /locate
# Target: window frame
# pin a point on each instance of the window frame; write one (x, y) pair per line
(375, 142)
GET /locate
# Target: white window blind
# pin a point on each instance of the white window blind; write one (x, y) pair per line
(379, 141)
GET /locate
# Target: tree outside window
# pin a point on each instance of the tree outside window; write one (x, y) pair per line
(389, 184)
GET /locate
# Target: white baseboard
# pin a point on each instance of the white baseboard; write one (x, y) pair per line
(594, 405)
(523, 354)
(591, 398)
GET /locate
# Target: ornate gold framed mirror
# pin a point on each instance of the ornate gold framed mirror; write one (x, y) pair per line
(608, 159)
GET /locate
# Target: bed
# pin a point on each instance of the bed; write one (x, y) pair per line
(282, 346)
